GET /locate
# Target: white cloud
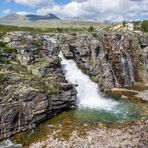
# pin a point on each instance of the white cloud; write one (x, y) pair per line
(23, 13)
(6, 11)
(111, 10)
(115, 10)
(35, 3)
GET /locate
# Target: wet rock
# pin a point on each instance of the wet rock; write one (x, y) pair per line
(143, 95)
(124, 97)
(9, 144)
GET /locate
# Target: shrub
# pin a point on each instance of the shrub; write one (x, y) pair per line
(144, 26)
(124, 24)
(59, 30)
(73, 34)
(91, 29)
(2, 44)
(10, 50)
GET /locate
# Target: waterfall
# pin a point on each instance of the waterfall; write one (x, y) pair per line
(130, 67)
(127, 69)
(88, 94)
(115, 79)
(124, 70)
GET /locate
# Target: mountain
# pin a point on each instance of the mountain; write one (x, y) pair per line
(33, 17)
(18, 19)
(13, 19)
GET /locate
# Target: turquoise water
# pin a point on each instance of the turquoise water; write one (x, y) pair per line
(76, 119)
(121, 113)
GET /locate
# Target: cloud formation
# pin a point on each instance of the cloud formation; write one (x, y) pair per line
(6, 11)
(35, 3)
(111, 10)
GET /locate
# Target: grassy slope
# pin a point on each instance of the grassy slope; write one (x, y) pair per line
(52, 26)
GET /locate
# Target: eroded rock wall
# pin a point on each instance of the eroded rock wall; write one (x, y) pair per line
(110, 59)
(32, 85)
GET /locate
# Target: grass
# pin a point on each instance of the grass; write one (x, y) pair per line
(2, 44)
(1, 77)
(9, 28)
(5, 62)
(9, 50)
(5, 50)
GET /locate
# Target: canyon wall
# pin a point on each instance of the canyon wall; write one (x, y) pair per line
(32, 84)
(110, 59)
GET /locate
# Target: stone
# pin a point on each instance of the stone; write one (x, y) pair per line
(124, 97)
(143, 95)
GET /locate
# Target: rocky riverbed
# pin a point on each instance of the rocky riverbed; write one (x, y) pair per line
(131, 136)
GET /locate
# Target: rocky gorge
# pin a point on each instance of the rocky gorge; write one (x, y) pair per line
(32, 84)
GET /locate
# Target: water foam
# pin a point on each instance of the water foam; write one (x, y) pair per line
(8, 144)
(88, 95)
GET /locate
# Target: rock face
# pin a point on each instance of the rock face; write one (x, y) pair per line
(111, 60)
(32, 85)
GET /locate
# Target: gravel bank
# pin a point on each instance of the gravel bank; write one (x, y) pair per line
(127, 137)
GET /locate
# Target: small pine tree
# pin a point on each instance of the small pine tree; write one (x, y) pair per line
(144, 26)
(91, 29)
(124, 24)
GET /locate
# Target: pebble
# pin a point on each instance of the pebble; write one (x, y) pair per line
(130, 136)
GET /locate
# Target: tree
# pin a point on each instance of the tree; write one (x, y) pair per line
(124, 23)
(91, 29)
(144, 26)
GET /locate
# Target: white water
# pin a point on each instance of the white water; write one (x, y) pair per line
(88, 93)
(130, 66)
(8, 144)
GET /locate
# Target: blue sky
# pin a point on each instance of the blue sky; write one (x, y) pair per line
(111, 10)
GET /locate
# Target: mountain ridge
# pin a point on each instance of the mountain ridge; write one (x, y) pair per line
(17, 18)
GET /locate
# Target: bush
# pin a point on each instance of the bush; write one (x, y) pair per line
(94, 35)
(91, 29)
(137, 25)
(10, 50)
(73, 34)
(124, 23)
(144, 26)
(2, 44)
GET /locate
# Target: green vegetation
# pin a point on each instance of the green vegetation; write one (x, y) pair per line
(73, 34)
(140, 60)
(5, 62)
(1, 77)
(137, 25)
(53, 87)
(108, 28)
(144, 26)
(2, 44)
(6, 49)
(2, 34)
(94, 35)
(141, 25)
(124, 23)
(8, 28)
(91, 29)
(10, 50)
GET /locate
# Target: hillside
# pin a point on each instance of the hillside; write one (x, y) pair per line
(19, 19)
